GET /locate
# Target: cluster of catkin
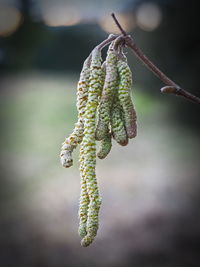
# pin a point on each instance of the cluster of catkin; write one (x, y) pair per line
(105, 111)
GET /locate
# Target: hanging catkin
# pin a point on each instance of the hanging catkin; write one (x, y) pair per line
(89, 148)
(124, 92)
(106, 143)
(117, 123)
(107, 95)
(84, 197)
(76, 136)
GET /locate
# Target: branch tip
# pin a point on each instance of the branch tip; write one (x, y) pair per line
(169, 90)
(118, 24)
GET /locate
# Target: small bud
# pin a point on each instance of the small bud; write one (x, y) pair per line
(169, 90)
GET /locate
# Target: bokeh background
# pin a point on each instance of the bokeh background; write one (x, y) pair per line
(150, 213)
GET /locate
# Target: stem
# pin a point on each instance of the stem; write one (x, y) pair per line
(107, 41)
(118, 41)
(118, 25)
(174, 88)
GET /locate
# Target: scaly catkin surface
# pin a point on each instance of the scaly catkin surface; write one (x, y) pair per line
(107, 95)
(106, 143)
(125, 84)
(84, 197)
(117, 123)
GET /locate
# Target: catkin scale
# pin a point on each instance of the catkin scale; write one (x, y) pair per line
(89, 147)
(76, 136)
(107, 95)
(124, 92)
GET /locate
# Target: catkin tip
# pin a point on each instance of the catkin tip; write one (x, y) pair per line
(132, 133)
(82, 231)
(66, 163)
(101, 156)
(124, 143)
(86, 241)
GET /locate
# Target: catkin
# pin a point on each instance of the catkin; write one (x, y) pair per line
(106, 143)
(89, 147)
(76, 136)
(107, 95)
(84, 197)
(124, 92)
(117, 123)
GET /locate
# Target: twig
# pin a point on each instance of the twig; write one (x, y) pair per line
(107, 41)
(118, 25)
(172, 87)
(119, 40)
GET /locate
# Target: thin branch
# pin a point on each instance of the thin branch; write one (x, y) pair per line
(107, 41)
(100, 46)
(173, 88)
(118, 25)
(119, 40)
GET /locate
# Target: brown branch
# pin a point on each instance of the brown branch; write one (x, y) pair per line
(172, 87)
(118, 25)
(107, 41)
(100, 46)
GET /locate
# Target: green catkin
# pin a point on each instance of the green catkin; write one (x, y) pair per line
(117, 123)
(84, 198)
(107, 95)
(106, 143)
(76, 136)
(105, 146)
(89, 148)
(124, 93)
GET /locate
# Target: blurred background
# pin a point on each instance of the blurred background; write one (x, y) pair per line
(150, 213)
